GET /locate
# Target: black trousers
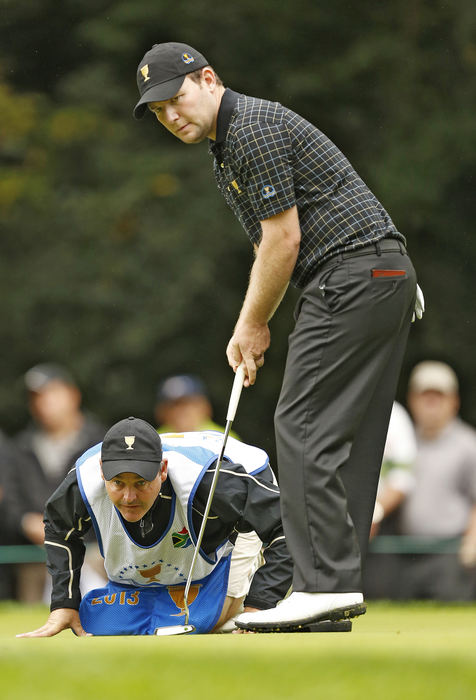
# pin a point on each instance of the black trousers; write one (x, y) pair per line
(344, 359)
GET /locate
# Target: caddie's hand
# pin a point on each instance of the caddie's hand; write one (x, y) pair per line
(59, 620)
(419, 304)
(248, 345)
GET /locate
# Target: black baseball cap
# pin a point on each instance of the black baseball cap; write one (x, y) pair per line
(162, 71)
(132, 445)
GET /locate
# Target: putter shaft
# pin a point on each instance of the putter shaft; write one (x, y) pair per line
(232, 406)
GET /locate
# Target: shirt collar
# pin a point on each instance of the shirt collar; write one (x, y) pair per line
(228, 104)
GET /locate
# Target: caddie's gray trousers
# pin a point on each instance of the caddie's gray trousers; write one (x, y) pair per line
(344, 359)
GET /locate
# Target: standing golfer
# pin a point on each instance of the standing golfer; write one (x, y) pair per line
(146, 497)
(313, 222)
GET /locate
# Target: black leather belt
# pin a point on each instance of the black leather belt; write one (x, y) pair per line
(385, 245)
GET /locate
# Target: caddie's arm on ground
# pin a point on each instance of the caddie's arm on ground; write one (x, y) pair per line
(66, 522)
(59, 620)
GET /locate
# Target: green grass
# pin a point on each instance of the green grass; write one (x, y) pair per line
(395, 652)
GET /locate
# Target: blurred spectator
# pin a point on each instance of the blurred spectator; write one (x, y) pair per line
(45, 451)
(6, 570)
(183, 405)
(442, 504)
(396, 476)
(396, 481)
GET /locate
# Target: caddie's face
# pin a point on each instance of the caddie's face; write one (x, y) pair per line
(132, 495)
(191, 114)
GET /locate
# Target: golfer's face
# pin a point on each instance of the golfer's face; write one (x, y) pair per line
(191, 114)
(132, 495)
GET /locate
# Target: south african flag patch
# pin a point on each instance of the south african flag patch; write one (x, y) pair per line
(181, 539)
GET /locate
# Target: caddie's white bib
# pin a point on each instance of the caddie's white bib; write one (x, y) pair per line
(167, 561)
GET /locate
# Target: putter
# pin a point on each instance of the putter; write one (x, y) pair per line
(230, 416)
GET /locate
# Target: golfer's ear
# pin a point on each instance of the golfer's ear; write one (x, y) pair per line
(209, 76)
(163, 469)
(102, 475)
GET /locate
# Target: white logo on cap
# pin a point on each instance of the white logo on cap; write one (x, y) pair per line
(187, 58)
(129, 440)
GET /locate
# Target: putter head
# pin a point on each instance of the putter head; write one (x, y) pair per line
(172, 630)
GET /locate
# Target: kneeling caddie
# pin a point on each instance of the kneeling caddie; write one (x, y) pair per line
(145, 496)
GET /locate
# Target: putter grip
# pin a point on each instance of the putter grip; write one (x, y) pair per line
(236, 392)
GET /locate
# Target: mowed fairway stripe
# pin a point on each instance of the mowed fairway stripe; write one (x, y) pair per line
(394, 652)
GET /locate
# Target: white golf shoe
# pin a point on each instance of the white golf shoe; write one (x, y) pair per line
(301, 609)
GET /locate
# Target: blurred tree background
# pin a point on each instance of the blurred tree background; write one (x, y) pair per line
(119, 257)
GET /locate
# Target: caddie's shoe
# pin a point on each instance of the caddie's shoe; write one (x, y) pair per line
(301, 609)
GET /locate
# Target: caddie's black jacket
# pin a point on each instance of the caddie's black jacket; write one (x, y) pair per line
(239, 505)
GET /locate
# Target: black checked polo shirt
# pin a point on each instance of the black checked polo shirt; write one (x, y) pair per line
(268, 159)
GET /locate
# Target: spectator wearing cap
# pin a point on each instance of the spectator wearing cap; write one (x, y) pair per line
(44, 453)
(183, 405)
(442, 504)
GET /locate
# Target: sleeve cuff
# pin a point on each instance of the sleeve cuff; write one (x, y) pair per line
(70, 604)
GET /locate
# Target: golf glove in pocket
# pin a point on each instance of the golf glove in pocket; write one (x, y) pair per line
(419, 304)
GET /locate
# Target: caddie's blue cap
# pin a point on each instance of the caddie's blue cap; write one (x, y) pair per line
(162, 71)
(179, 387)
